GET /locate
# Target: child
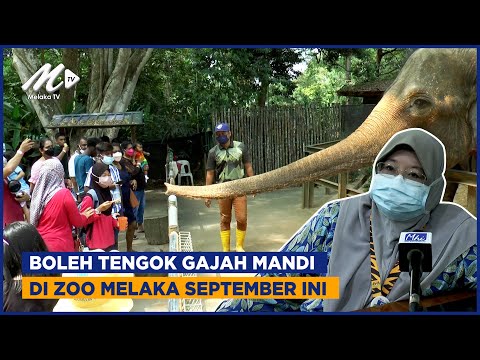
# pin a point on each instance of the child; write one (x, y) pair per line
(140, 158)
(100, 232)
(19, 175)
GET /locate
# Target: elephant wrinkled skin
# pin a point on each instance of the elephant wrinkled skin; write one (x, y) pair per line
(435, 90)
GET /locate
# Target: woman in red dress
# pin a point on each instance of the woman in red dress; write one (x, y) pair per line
(53, 210)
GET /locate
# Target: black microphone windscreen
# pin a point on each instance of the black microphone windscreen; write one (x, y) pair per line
(411, 241)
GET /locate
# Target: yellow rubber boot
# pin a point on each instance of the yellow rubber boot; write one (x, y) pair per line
(225, 237)
(240, 239)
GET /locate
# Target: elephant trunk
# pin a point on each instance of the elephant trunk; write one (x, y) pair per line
(354, 152)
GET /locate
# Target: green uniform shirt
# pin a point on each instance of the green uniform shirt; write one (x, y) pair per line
(229, 163)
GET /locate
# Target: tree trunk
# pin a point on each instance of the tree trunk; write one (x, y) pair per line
(262, 96)
(348, 74)
(378, 62)
(71, 60)
(111, 87)
(112, 82)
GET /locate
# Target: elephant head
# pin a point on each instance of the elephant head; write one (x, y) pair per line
(435, 90)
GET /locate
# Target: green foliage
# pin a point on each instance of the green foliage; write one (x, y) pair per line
(326, 72)
(180, 88)
(318, 85)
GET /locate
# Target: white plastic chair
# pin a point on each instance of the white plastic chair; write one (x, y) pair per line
(173, 166)
(184, 171)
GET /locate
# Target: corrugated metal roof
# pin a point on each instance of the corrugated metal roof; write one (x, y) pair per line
(97, 120)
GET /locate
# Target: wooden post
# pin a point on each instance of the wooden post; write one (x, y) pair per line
(472, 199)
(133, 131)
(342, 185)
(307, 200)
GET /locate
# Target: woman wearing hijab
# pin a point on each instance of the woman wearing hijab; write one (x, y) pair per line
(53, 211)
(407, 185)
(100, 228)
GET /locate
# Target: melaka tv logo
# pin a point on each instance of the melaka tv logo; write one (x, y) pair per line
(415, 237)
(44, 76)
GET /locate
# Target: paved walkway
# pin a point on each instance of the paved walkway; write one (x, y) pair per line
(272, 219)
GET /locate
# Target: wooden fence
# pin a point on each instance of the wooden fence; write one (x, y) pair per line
(277, 135)
(469, 179)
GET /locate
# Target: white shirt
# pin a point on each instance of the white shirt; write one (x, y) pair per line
(71, 164)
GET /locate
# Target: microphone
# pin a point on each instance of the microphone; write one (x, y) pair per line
(415, 257)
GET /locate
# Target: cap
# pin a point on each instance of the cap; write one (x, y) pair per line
(222, 127)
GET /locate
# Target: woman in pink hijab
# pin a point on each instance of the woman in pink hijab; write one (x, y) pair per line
(53, 209)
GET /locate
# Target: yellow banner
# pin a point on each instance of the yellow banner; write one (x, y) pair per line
(99, 287)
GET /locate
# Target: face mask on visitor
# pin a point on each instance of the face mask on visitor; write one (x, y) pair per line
(49, 152)
(129, 152)
(397, 198)
(117, 156)
(222, 139)
(107, 160)
(104, 181)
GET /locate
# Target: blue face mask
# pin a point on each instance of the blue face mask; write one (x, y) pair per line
(222, 139)
(399, 199)
(107, 160)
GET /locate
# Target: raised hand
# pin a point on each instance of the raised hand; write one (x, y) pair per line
(88, 212)
(104, 206)
(26, 145)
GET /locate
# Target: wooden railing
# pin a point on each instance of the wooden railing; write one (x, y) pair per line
(465, 300)
(341, 185)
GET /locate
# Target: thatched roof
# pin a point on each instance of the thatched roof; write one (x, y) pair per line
(372, 88)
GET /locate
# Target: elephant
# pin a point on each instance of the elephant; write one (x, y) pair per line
(435, 90)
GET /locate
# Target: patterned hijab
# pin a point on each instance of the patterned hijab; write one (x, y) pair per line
(453, 230)
(50, 181)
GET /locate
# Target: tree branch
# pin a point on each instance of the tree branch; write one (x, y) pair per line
(95, 94)
(389, 51)
(137, 63)
(115, 83)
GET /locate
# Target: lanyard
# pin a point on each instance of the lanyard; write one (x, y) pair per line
(377, 288)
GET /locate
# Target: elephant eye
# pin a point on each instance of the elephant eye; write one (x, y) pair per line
(421, 103)
(420, 106)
